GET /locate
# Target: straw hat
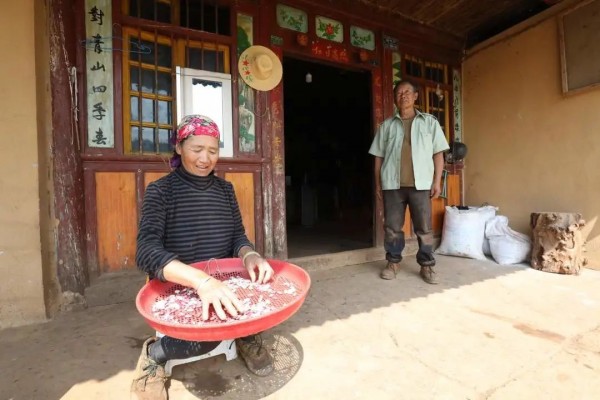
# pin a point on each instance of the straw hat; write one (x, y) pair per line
(260, 68)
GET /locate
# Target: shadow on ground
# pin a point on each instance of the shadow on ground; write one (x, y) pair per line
(215, 378)
(102, 343)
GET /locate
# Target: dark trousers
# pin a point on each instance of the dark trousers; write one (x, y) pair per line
(419, 204)
(167, 348)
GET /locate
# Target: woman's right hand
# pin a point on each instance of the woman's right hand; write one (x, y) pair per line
(215, 292)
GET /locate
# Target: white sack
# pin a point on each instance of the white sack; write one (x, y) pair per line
(463, 232)
(487, 213)
(507, 246)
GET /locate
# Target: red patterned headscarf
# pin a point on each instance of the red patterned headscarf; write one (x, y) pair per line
(196, 125)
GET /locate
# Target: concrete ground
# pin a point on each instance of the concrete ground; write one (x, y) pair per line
(486, 332)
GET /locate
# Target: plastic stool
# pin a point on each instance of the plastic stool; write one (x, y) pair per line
(226, 347)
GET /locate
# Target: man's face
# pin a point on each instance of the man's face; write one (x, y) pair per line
(405, 96)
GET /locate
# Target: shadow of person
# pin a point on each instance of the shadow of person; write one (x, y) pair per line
(217, 378)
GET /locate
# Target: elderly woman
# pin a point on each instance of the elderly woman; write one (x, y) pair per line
(192, 215)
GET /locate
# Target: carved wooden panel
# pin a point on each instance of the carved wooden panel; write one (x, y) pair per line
(116, 214)
(243, 183)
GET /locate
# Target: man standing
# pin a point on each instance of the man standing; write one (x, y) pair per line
(409, 161)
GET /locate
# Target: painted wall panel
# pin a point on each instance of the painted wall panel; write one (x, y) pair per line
(116, 220)
(243, 183)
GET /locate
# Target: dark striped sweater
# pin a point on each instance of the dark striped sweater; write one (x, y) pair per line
(189, 218)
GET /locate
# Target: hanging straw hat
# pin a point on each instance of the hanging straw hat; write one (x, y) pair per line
(260, 68)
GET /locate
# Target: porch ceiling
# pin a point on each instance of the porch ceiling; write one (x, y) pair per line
(471, 21)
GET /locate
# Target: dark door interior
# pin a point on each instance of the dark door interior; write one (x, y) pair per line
(329, 173)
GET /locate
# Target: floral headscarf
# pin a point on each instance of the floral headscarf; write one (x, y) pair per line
(196, 125)
(193, 125)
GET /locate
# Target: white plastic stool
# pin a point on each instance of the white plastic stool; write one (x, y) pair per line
(226, 347)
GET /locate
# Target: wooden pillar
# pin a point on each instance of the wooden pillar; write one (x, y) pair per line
(278, 167)
(557, 242)
(67, 168)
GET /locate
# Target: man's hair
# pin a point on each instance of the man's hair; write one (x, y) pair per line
(406, 82)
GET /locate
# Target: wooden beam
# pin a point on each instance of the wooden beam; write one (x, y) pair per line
(387, 21)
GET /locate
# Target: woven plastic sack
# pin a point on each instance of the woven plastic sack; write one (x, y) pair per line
(487, 213)
(463, 232)
(507, 246)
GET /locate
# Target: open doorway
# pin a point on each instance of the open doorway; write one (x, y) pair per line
(329, 173)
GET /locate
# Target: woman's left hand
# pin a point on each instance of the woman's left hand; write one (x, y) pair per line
(255, 262)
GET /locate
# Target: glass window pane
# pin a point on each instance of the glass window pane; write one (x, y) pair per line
(164, 112)
(200, 15)
(134, 108)
(147, 9)
(147, 81)
(134, 78)
(210, 61)
(164, 55)
(163, 10)
(164, 83)
(429, 73)
(143, 50)
(206, 60)
(221, 59)
(148, 110)
(148, 140)
(133, 6)
(441, 116)
(163, 141)
(420, 100)
(413, 68)
(194, 58)
(135, 139)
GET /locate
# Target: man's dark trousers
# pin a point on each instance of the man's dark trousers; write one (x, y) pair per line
(419, 204)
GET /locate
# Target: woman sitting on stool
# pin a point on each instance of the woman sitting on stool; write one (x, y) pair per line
(188, 216)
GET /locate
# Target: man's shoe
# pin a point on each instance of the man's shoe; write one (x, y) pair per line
(150, 378)
(390, 271)
(255, 355)
(428, 275)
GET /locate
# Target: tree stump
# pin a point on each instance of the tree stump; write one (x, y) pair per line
(558, 243)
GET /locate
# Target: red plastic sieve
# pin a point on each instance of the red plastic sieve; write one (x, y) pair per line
(283, 305)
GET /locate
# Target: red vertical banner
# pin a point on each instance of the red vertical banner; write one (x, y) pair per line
(378, 117)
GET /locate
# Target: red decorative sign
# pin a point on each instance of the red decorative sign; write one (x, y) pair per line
(329, 51)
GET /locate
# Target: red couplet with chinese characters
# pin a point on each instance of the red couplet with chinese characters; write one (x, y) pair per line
(283, 295)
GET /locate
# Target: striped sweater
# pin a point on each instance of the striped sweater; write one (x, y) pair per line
(189, 218)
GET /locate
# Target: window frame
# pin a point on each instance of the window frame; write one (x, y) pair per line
(128, 33)
(429, 107)
(183, 44)
(428, 86)
(179, 48)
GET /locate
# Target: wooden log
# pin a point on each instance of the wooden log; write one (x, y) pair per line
(558, 243)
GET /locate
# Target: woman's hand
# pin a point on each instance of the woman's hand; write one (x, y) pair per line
(255, 262)
(213, 291)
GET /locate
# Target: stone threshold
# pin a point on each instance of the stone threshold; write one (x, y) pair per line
(352, 257)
